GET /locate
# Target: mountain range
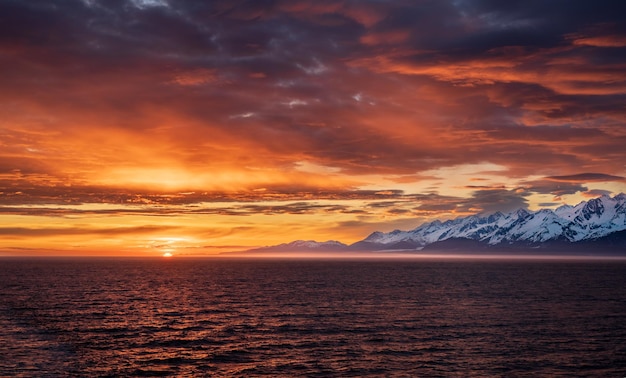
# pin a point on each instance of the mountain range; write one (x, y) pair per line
(595, 225)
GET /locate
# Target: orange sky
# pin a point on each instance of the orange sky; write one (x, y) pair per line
(142, 127)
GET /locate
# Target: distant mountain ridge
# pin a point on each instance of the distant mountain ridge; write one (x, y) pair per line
(588, 220)
(305, 246)
(598, 222)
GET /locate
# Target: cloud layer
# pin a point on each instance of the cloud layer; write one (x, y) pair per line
(439, 107)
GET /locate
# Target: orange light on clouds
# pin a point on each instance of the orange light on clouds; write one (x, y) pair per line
(239, 126)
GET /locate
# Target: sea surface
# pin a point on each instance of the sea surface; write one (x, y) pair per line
(311, 318)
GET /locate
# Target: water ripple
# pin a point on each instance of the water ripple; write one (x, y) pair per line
(154, 318)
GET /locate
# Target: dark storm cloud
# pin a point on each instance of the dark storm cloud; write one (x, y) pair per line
(390, 87)
(594, 193)
(37, 232)
(570, 184)
(587, 177)
(490, 201)
(554, 188)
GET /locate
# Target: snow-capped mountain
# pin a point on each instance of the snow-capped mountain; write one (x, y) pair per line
(304, 246)
(599, 223)
(589, 220)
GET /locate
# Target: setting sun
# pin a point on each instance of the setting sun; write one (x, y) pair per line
(312, 188)
(225, 133)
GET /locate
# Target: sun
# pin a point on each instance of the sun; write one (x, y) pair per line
(167, 254)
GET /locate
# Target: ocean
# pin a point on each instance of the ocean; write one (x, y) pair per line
(311, 318)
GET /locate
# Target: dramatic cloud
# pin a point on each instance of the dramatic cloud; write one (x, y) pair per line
(587, 177)
(228, 123)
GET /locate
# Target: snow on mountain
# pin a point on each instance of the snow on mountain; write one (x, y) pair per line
(304, 246)
(311, 244)
(588, 220)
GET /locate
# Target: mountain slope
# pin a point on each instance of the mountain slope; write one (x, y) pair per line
(304, 246)
(587, 221)
(597, 224)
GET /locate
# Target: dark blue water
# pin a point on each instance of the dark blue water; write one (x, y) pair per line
(131, 317)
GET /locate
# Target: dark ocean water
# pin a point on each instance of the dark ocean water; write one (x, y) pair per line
(212, 317)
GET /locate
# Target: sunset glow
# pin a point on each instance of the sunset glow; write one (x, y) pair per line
(183, 128)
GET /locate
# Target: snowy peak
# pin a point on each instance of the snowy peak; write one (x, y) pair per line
(375, 237)
(588, 220)
(304, 246)
(314, 244)
(593, 207)
(522, 213)
(311, 244)
(599, 221)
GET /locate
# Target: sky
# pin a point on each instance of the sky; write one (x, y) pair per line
(144, 127)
